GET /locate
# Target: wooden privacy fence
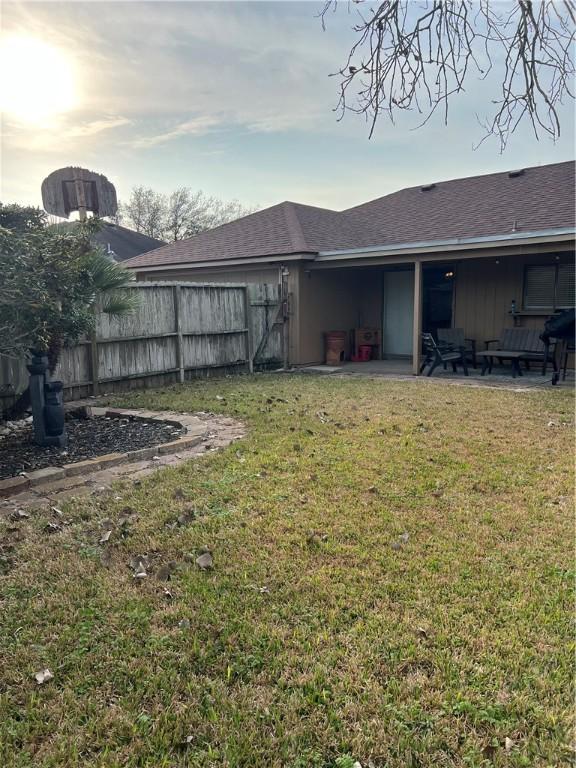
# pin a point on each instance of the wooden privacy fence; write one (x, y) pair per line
(179, 331)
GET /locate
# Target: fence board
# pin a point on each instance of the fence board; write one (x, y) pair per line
(208, 351)
(74, 365)
(209, 309)
(211, 324)
(155, 315)
(265, 308)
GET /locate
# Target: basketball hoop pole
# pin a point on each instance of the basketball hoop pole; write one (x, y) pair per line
(80, 194)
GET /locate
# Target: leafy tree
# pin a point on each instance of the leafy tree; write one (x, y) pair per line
(419, 56)
(21, 218)
(51, 284)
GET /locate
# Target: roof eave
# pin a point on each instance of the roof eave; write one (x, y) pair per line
(451, 244)
(210, 263)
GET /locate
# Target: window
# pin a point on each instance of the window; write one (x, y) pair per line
(549, 287)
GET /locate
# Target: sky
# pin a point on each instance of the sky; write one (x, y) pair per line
(235, 99)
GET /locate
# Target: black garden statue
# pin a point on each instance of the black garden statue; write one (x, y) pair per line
(47, 404)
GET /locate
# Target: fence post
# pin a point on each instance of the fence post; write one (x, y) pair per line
(94, 362)
(249, 332)
(178, 329)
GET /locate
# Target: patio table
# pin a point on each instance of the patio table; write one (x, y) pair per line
(501, 354)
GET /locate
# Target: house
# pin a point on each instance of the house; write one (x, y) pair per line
(480, 253)
(122, 243)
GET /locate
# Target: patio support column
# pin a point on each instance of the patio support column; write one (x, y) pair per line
(417, 325)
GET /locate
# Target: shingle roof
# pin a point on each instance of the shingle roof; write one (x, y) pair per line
(286, 228)
(123, 242)
(495, 204)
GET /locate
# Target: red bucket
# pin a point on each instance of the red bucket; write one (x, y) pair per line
(365, 352)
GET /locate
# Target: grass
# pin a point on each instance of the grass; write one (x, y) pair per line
(322, 636)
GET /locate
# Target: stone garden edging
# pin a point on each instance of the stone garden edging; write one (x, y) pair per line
(195, 433)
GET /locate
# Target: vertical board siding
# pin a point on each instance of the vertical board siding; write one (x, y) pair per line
(485, 290)
(142, 349)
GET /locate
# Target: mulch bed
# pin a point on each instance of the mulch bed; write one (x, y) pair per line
(87, 438)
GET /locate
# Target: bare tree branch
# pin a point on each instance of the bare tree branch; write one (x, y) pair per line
(182, 214)
(417, 56)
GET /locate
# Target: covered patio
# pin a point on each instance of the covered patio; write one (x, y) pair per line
(481, 291)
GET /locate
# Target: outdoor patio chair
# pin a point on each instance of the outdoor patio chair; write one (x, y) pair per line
(439, 353)
(455, 337)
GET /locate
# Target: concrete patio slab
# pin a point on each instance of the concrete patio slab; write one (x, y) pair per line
(500, 377)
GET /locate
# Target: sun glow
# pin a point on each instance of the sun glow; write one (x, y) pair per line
(36, 79)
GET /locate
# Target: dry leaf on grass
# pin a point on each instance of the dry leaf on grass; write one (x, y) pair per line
(43, 675)
(139, 564)
(205, 561)
(315, 538)
(105, 537)
(166, 571)
(52, 528)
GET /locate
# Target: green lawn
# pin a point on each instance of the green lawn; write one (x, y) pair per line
(324, 634)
